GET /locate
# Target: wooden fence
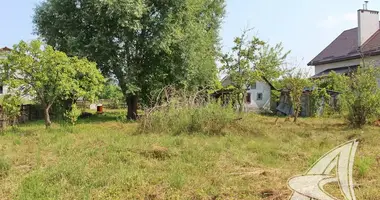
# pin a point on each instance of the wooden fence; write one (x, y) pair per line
(28, 112)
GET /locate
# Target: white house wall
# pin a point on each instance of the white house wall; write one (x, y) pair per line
(265, 89)
(375, 60)
(5, 89)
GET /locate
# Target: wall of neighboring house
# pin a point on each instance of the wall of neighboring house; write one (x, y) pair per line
(375, 60)
(259, 96)
(3, 89)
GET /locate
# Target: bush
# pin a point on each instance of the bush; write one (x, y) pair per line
(335, 82)
(73, 114)
(361, 97)
(180, 116)
(11, 108)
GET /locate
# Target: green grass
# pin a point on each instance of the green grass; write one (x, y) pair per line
(102, 158)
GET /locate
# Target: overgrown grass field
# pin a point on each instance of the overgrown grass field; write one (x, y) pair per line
(102, 158)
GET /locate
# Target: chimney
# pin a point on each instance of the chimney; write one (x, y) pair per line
(368, 23)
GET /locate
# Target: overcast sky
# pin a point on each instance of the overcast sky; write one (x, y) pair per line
(303, 26)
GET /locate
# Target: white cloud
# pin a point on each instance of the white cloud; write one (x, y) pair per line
(334, 20)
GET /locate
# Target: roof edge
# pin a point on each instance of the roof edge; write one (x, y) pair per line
(369, 10)
(5, 49)
(370, 39)
(356, 56)
(311, 63)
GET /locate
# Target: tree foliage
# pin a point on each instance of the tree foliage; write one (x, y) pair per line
(334, 82)
(11, 107)
(113, 93)
(146, 44)
(249, 61)
(362, 95)
(37, 70)
(295, 83)
(319, 101)
(73, 114)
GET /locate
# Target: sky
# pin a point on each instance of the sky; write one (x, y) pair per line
(305, 27)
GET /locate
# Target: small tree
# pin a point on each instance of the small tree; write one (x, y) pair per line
(73, 114)
(295, 83)
(38, 70)
(249, 61)
(11, 108)
(362, 96)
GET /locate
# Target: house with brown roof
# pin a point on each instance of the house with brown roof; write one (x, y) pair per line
(345, 53)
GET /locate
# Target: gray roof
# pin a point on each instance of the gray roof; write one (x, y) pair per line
(345, 47)
(339, 70)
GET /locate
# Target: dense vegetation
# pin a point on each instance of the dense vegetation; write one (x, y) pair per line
(146, 45)
(39, 72)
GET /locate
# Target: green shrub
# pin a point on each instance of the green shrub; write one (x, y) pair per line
(11, 107)
(362, 97)
(73, 114)
(338, 83)
(177, 118)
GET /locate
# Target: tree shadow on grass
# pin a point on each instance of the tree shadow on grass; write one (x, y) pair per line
(100, 118)
(110, 116)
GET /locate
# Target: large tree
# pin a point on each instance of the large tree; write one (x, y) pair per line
(146, 44)
(37, 70)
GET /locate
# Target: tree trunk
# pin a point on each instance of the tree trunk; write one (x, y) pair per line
(240, 98)
(296, 115)
(3, 121)
(132, 107)
(47, 116)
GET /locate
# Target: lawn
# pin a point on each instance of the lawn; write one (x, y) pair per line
(102, 158)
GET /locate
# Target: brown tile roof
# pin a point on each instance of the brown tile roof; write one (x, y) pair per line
(373, 43)
(345, 47)
(5, 49)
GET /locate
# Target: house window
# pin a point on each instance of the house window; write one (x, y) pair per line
(253, 86)
(248, 98)
(259, 96)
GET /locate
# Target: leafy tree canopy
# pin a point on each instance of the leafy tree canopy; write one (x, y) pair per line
(146, 44)
(37, 70)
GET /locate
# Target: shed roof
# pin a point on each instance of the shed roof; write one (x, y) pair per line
(340, 70)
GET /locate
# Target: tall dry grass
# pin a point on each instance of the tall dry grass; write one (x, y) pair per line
(179, 112)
